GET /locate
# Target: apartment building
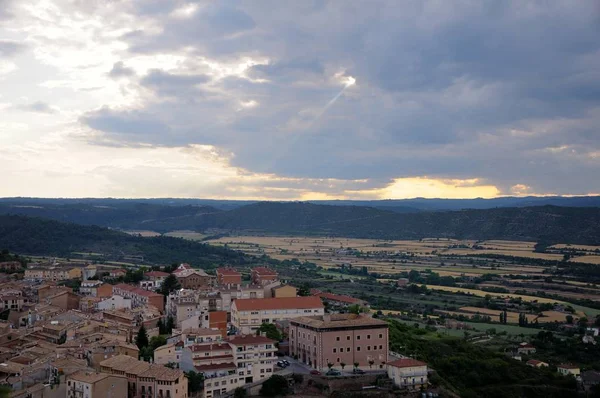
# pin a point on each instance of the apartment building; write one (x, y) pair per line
(96, 385)
(193, 278)
(10, 265)
(145, 380)
(114, 302)
(11, 300)
(263, 276)
(153, 280)
(339, 338)
(53, 273)
(248, 314)
(139, 297)
(229, 277)
(105, 349)
(95, 289)
(168, 354)
(231, 363)
(408, 373)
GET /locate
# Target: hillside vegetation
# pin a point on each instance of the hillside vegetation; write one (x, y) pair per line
(579, 225)
(36, 236)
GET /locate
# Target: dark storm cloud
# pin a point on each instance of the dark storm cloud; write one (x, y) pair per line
(462, 90)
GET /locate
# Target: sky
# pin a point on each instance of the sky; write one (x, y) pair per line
(299, 100)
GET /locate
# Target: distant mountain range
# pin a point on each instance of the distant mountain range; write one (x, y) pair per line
(398, 205)
(546, 223)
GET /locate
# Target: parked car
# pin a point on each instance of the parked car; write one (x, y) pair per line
(358, 371)
(333, 372)
(315, 372)
(286, 362)
(282, 364)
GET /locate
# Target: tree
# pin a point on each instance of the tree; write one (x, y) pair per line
(142, 338)
(170, 284)
(569, 319)
(343, 365)
(371, 362)
(146, 353)
(240, 392)
(271, 331)
(274, 386)
(170, 325)
(157, 341)
(329, 365)
(195, 381)
(356, 365)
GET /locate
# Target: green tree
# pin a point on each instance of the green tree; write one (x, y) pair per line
(271, 331)
(240, 392)
(343, 365)
(569, 319)
(169, 285)
(157, 341)
(195, 381)
(142, 338)
(274, 386)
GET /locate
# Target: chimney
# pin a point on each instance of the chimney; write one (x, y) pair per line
(327, 317)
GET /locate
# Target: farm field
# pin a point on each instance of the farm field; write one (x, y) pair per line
(512, 317)
(144, 233)
(191, 235)
(591, 259)
(481, 293)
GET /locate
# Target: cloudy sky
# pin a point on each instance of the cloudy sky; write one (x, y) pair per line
(307, 99)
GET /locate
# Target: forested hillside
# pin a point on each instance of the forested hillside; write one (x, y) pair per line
(36, 236)
(538, 223)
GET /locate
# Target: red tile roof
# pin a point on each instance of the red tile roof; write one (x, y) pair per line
(278, 303)
(156, 273)
(264, 271)
(124, 286)
(227, 271)
(216, 366)
(210, 347)
(568, 366)
(406, 363)
(249, 339)
(534, 362)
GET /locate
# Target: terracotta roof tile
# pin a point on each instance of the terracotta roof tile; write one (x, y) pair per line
(406, 363)
(278, 303)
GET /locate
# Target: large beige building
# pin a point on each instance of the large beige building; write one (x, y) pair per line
(96, 385)
(339, 339)
(248, 314)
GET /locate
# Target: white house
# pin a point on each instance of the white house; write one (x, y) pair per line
(408, 373)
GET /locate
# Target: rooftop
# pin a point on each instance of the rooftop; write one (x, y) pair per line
(210, 347)
(568, 366)
(249, 339)
(264, 271)
(406, 363)
(228, 271)
(278, 303)
(331, 321)
(156, 274)
(88, 377)
(339, 297)
(216, 366)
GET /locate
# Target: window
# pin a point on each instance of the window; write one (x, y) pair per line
(348, 349)
(336, 339)
(357, 337)
(335, 350)
(368, 348)
(380, 335)
(338, 360)
(347, 337)
(380, 347)
(368, 337)
(357, 348)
